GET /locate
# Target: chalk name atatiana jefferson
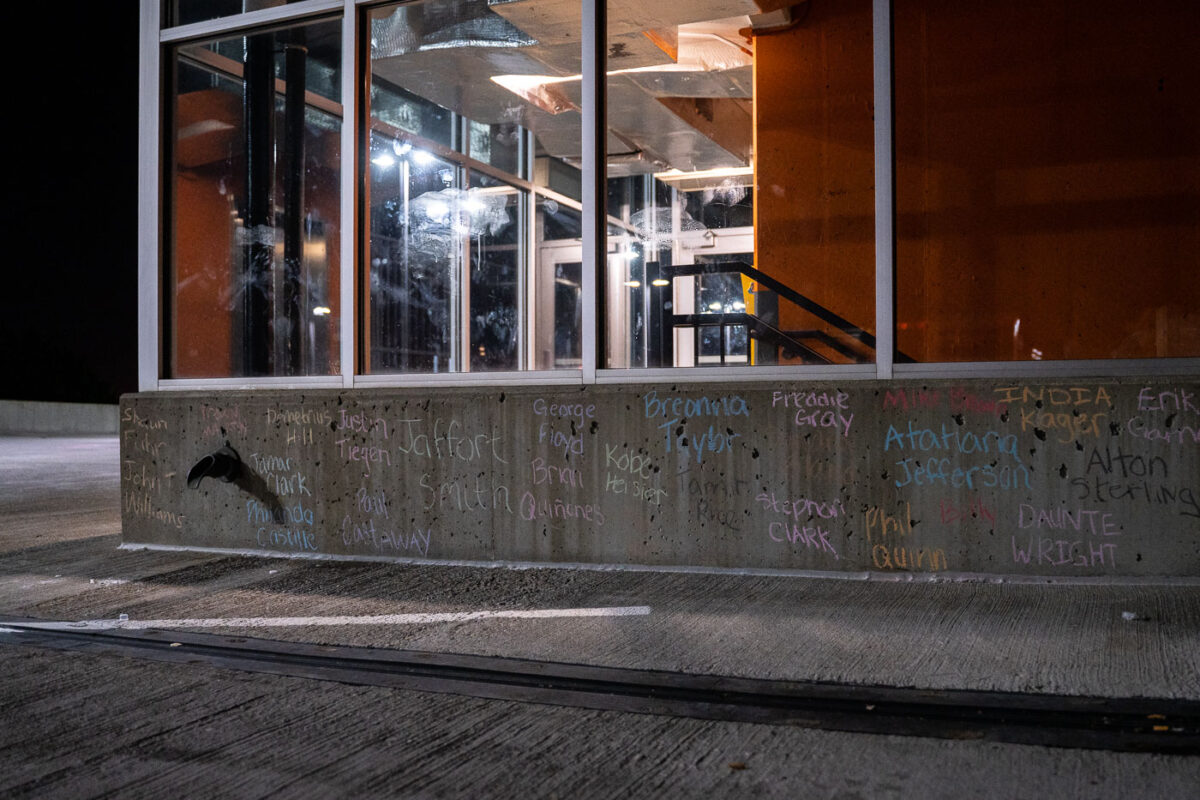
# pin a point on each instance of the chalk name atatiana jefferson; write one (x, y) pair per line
(954, 441)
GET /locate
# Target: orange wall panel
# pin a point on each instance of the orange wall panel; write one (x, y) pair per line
(814, 163)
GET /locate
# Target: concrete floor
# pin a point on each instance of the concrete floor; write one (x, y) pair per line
(86, 725)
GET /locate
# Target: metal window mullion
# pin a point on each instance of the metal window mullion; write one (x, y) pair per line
(149, 182)
(885, 191)
(594, 33)
(238, 22)
(348, 222)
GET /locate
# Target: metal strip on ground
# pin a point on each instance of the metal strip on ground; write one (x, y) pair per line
(1127, 724)
(426, 618)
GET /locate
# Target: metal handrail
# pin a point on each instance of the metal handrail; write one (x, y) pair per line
(755, 324)
(781, 289)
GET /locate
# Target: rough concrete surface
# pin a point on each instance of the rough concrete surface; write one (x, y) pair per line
(90, 725)
(1045, 478)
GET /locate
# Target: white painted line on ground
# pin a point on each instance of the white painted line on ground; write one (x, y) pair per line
(380, 619)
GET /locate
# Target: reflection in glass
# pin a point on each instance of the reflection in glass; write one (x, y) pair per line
(740, 185)
(473, 256)
(251, 284)
(1050, 211)
(185, 12)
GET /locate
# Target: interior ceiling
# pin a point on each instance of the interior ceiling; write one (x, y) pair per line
(681, 87)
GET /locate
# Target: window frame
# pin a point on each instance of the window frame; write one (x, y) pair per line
(155, 40)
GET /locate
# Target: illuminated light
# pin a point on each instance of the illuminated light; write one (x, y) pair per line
(715, 306)
(1017, 327)
(660, 282)
(1036, 354)
(401, 148)
(321, 311)
(739, 305)
(540, 90)
(474, 204)
(384, 160)
(633, 284)
(423, 158)
(437, 210)
(675, 175)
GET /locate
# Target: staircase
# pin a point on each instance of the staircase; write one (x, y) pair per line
(829, 339)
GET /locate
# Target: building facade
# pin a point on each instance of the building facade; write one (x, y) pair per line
(865, 286)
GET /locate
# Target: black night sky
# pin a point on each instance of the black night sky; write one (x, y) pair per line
(68, 314)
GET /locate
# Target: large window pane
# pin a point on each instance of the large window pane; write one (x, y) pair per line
(185, 12)
(253, 199)
(740, 184)
(1048, 180)
(473, 255)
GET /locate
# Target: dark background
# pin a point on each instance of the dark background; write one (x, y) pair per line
(68, 309)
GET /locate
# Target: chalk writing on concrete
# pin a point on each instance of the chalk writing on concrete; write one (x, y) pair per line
(385, 540)
(1070, 412)
(533, 508)
(222, 421)
(144, 487)
(1055, 396)
(956, 440)
(297, 514)
(711, 500)
(944, 472)
(801, 510)
(299, 425)
(139, 504)
(280, 474)
(901, 557)
(950, 512)
(363, 454)
(1092, 548)
(561, 424)
(473, 493)
(1167, 416)
(543, 473)
(817, 409)
(374, 427)
(134, 473)
(964, 401)
(677, 412)
(370, 502)
(1168, 400)
(889, 536)
(130, 416)
(286, 538)
(140, 441)
(447, 440)
(1139, 428)
(912, 399)
(959, 400)
(629, 472)
(1116, 476)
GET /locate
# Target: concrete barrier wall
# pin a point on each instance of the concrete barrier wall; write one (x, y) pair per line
(29, 417)
(1064, 479)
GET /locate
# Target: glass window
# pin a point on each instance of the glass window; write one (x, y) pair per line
(473, 256)
(185, 12)
(253, 200)
(740, 185)
(1048, 180)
